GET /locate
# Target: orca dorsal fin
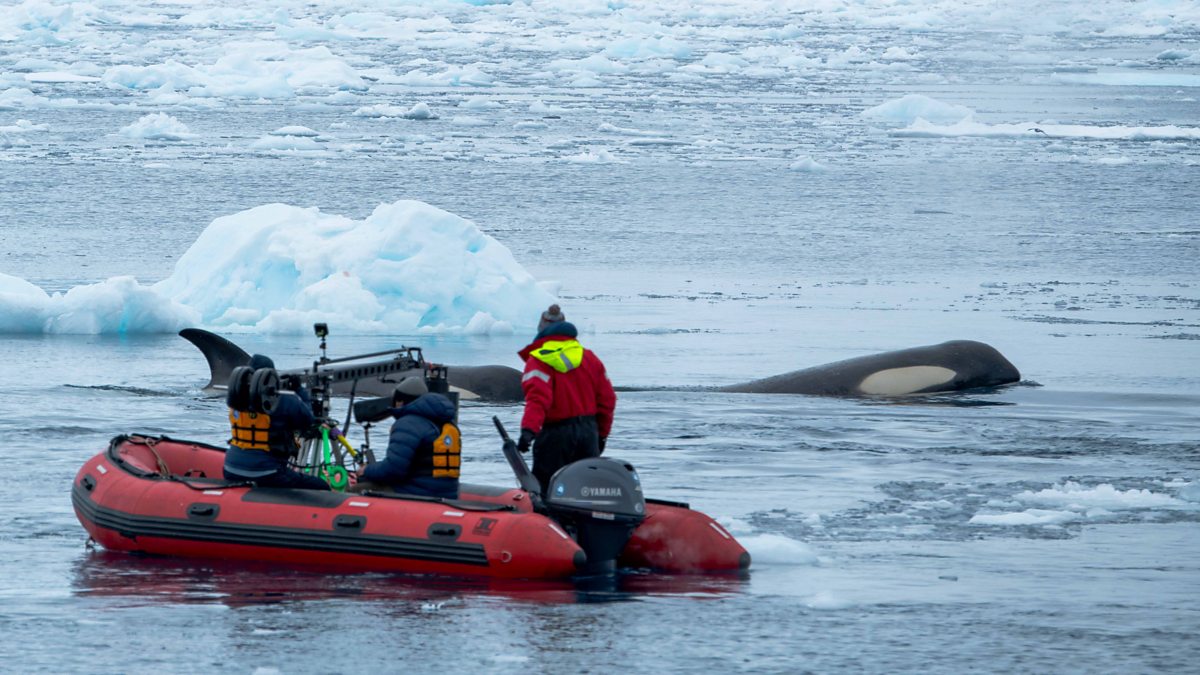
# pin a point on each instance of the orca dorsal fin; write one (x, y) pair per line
(222, 355)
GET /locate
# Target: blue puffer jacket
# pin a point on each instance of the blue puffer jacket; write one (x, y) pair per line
(294, 414)
(408, 466)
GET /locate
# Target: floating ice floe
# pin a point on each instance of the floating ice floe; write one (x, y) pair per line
(539, 107)
(828, 600)
(1112, 161)
(1027, 517)
(157, 127)
(593, 156)
(595, 64)
(585, 81)
(59, 77)
(1074, 502)
(899, 54)
(607, 128)
(287, 143)
(454, 76)
(258, 70)
(1075, 496)
(908, 109)
(1173, 55)
(924, 129)
(23, 127)
(468, 121)
(479, 103)
(420, 111)
(807, 164)
(716, 62)
(295, 131)
(1190, 492)
(776, 549)
(19, 97)
(649, 48)
(1131, 79)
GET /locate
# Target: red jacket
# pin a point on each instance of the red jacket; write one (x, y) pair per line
(551, 396)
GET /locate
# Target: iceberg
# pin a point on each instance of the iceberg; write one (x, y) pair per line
(408, 267)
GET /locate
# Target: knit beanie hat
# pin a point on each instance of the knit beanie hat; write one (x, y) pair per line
(410, 389)
(552, 315)
(259, 361)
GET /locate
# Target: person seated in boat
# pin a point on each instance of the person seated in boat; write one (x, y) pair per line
(265, 463)
(424, 448)
(569, 400)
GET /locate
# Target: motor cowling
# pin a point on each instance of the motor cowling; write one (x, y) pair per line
(600, 500)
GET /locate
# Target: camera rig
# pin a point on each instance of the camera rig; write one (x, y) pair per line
(320, 453)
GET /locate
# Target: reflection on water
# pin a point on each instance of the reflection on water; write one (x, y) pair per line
(151, 580)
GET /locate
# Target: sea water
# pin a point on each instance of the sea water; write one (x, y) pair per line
(705, 191)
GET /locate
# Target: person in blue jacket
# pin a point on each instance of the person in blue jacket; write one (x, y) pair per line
(262, 444)
(424, 448)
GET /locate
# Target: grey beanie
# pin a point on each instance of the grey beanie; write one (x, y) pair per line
(410, 389)
(552, 315)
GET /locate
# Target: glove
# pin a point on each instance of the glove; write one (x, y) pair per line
(526, 440)
(603, 441)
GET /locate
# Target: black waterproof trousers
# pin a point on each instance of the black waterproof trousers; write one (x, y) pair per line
(283, 478)
(563, 442)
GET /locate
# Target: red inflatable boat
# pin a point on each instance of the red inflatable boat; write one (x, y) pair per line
(158, 495)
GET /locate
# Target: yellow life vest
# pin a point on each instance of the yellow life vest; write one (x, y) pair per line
(250, 430)
(561, 355)
(447, 452)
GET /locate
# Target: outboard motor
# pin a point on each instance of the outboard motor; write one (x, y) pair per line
(601, 500)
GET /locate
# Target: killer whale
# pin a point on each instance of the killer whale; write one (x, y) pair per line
(949, 366)
(487, 383)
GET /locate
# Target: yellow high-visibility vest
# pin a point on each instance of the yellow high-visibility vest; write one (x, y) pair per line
(561, 355)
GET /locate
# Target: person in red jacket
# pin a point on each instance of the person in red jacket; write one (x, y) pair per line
(569, 400)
